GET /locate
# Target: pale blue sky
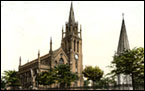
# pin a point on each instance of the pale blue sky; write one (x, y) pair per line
(26, 27)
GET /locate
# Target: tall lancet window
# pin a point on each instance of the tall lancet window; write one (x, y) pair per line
(65, 45)
(74, 45)
(78, 46)
(61, 61)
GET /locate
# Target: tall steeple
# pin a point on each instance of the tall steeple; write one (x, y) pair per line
(71, 15)
(123, 43)
(72, 46)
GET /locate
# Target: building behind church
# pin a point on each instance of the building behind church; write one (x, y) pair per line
(123, 45)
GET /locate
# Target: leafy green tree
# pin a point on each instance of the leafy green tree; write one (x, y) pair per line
(64, 75)
(59, 74)
(130, 62)
(46, 78)
(11, 78)
(86, 83)
(105, 82)
(94, 74)
(3, 83)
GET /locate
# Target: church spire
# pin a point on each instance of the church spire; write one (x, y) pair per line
(123, 43)
(71, 15)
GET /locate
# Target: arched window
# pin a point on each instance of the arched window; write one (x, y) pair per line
(61, 61)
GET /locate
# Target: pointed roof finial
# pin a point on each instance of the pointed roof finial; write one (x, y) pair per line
(80, 31)
(50, 39)
(20, 61)
(71, 5)
(62, 28)
(50, 44)
(38, 55)
(20, 58)
(38, 52)
(62, 32)
(71, 14)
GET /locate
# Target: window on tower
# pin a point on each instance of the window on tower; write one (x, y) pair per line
(74, 45)
(78, 46)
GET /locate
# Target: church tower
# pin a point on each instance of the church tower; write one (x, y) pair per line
(72, 45)
(123, 45)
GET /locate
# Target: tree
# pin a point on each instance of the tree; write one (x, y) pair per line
(105, 82)
(46, 78)
(11, 78)
(86, 83)
(59, 74)
(64, 75)
(130, 62)
(93, 74)
(3, 83)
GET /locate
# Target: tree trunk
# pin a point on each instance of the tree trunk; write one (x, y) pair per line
(133, 85)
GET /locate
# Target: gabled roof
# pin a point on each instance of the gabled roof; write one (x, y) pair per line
(36, 60)
(58, 51)
(55, 53)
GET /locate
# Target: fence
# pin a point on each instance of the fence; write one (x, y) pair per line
(113, 87)
(104, 87)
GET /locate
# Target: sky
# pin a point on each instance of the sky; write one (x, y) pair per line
(26, 27)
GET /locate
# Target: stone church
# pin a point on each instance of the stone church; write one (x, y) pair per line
(70, 52)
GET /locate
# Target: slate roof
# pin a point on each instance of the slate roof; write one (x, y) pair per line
(123, 43)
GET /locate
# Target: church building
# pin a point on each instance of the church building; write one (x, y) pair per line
(70, 52)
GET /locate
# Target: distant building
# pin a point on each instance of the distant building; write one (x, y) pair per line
(123, 45)
(70, 52)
